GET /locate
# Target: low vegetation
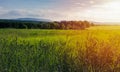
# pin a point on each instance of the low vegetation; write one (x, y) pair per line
(30, 50)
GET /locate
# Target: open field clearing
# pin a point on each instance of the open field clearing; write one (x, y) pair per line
(110, 27)
(96, 49)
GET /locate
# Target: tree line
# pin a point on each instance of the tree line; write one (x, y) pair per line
(45, 25)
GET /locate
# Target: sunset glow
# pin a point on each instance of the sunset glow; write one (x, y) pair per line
(92, 10)
(59, 35)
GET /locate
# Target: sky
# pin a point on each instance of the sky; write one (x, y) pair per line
(91, 10)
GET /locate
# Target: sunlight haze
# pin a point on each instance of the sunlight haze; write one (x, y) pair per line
(91, 10)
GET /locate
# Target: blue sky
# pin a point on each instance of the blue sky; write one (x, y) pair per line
(28, 4)
(93, 10)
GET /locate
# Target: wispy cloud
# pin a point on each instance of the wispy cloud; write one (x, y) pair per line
(99, 10)
(36, 13)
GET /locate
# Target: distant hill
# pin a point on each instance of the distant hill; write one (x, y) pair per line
(32, 19)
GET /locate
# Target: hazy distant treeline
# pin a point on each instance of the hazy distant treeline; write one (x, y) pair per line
(44, 25)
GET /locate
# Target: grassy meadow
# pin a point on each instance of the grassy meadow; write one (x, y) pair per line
(96, 49)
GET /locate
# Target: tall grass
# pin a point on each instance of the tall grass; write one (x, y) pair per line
(59, 51)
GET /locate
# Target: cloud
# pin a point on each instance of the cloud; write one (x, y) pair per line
(67, 10)
(6, 13)
(34, 13)
(108, 11)
(2, 10)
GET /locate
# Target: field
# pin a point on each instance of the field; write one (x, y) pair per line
(96, 49)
